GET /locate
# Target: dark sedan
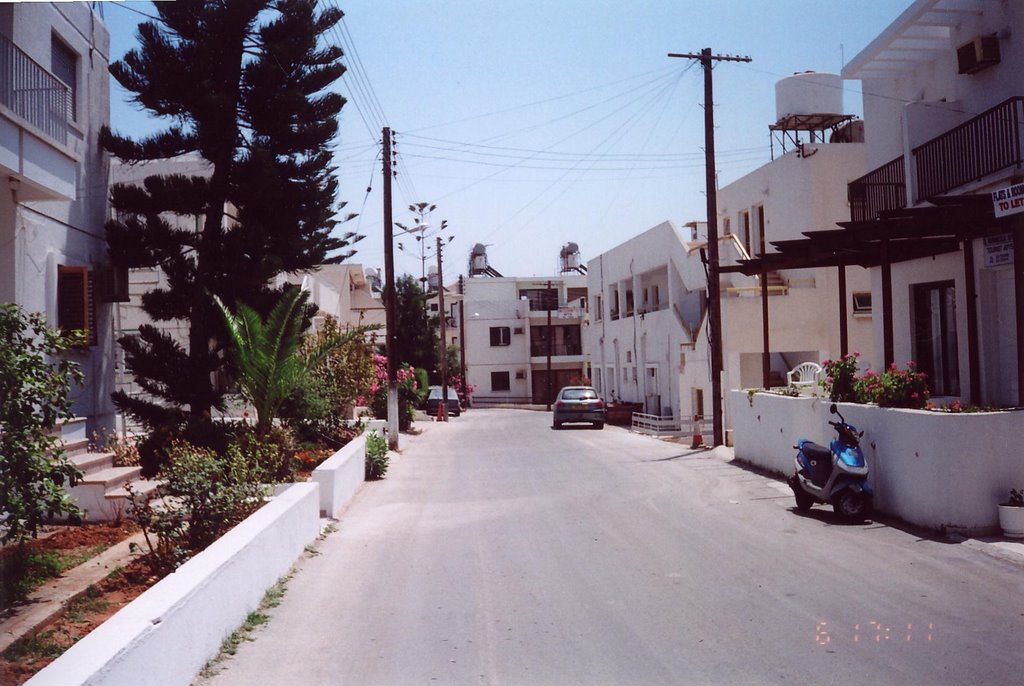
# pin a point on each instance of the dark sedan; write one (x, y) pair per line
(579, 404)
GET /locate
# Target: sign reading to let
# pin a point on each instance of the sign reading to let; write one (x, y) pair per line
(1009, 200)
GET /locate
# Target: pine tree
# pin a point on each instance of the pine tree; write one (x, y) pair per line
(243, 83)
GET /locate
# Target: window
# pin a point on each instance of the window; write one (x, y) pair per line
(629, 302)
(64, 65)
(76, 309)
(541, 299)
(500, 336)
(726, 228)
(935, 343)
(598, 302)
(760, 230)
(433, 307)
(861, 304)
(500, 381)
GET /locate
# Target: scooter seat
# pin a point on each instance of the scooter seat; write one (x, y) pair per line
(813, 451)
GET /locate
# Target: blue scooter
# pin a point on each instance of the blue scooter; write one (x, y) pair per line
(837, 474)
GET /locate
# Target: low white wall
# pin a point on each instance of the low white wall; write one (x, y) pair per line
(340, 475)
(166, 635)
(934, 469)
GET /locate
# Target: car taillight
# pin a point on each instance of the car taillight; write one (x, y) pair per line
(560, 404)
(600, 404)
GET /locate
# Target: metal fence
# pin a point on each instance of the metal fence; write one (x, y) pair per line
(983, 145)
(33, 93)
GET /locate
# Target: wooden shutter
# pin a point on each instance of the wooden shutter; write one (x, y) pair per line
(74, 301)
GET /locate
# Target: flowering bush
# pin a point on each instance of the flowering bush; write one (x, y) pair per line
(408, 396)
(839, 378)
(894, 387)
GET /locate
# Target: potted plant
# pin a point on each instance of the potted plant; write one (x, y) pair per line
(1011, 515)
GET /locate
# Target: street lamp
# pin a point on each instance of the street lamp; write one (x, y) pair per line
(421, 231)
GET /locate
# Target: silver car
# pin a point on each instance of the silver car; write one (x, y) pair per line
(579, 404)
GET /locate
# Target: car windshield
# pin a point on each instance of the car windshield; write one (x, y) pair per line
(436, 393)
(579, 394)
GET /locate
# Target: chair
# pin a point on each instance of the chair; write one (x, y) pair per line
(804, 374)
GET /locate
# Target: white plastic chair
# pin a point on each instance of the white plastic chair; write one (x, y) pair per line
(804, 374)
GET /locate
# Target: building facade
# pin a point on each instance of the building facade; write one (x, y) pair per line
(54, 98)
(944, 128)
(513, 327)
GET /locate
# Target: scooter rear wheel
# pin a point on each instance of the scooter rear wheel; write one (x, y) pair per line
(851, 506)
(803, 499)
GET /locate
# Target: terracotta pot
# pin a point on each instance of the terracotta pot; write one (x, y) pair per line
(1011, 519)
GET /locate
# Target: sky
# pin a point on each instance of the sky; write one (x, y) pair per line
(531, 124)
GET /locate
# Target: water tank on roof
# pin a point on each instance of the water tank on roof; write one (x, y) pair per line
(432, 281)
(808, 93)
(478, 258)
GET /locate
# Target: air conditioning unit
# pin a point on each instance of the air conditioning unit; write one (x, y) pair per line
(981, 53)
(518, 331)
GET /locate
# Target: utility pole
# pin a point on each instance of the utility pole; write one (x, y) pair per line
(441, 313)
(391, 336)
(714, 286)
(462, 337)
(551, 340)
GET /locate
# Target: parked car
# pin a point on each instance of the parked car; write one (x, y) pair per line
(579, 404)
(434, 401)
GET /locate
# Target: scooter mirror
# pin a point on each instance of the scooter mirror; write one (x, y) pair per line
(833, 409)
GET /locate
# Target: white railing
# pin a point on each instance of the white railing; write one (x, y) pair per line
(653, 424)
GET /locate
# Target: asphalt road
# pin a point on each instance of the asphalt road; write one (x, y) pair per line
(499, 551)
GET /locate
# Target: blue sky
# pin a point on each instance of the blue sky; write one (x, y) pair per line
(534, 123)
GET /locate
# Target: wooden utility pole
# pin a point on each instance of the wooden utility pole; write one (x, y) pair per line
(391, 335)
(551, 340)
(714, 287)
(442, 315)
(462, 337)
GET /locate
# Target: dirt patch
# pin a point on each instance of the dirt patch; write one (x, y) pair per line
(84, 613)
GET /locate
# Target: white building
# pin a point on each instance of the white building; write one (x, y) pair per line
(804, 189)
(54, 97)
(507, 339)
(943, 110)
(344, 292)
(647, 306)
(648, 338)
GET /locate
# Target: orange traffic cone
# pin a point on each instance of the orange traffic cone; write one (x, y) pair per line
(698, 438)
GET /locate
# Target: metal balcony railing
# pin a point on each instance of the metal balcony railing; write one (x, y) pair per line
(884, 188)
(983, 145)
(33, 93)
(540, 349)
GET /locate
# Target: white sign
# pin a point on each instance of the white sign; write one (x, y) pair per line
(998, 250)
(1009, 200)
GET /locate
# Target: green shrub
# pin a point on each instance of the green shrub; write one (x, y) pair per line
(840, 378)
(894, 388)
(33, 398)
(376, 456)
(203, 496)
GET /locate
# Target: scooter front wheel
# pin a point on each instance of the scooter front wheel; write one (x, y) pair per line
(852, 506)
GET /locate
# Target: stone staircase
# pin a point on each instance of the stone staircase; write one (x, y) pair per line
(101, 494)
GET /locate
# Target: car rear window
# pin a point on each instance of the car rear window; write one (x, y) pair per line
(579, 394)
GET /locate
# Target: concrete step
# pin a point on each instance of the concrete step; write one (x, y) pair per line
(90, 463)
(111, 477)
(76, 447)
(143, 487)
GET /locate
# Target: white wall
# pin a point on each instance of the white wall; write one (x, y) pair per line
(932, 469)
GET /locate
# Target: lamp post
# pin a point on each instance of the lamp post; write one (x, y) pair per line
(421, 230)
